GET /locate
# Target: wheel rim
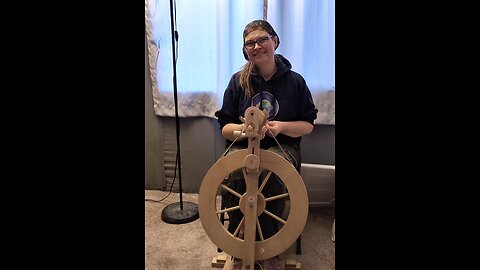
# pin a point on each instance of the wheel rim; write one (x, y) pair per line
(292, 227)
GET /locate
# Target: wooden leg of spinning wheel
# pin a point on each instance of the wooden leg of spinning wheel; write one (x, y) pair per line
(250, 210)
(250, 224)
(299, 245)
(222, 220)
(228, 263)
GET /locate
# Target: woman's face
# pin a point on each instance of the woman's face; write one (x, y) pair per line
(259, 53)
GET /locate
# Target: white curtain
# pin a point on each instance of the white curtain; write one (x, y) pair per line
(210, 50)
(307, 38)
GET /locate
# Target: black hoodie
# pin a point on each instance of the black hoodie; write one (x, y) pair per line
(286, 96)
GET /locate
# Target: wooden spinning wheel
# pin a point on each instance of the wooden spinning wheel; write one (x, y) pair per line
(252, 203)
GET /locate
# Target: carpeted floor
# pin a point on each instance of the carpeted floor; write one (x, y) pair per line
(187, 247)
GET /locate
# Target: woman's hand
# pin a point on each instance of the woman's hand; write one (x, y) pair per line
(291, 129)
(264, 131)
(274, 128)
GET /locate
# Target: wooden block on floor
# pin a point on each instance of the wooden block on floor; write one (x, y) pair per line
(292, 265)
(222, 258)
(219, 260)
(216, 263)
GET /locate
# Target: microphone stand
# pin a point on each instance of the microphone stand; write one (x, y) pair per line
(178, 213)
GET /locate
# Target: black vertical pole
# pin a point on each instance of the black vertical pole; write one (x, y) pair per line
(177, 213)
(175, 98)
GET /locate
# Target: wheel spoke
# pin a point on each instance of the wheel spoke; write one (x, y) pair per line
(231, 191)
(239, 226)
(229, 209)
(264, 182)
(276, 197)
(274, 216)
(259, 230)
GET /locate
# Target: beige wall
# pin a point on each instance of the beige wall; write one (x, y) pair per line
(154, 165)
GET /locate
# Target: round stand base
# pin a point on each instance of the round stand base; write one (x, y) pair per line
(174, 215)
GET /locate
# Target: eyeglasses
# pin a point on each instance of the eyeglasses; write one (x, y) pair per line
(261, 41)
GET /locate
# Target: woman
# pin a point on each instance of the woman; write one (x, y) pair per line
(266, 81)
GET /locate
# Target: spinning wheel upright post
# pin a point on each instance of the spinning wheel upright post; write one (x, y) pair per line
(253, 127)
(252, 203)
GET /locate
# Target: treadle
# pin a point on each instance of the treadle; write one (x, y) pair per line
(292, 264)
(219, 260)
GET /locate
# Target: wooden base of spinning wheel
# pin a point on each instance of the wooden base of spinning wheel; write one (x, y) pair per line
(226, 261)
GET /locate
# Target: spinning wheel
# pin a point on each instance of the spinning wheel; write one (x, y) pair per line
(252, 203)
